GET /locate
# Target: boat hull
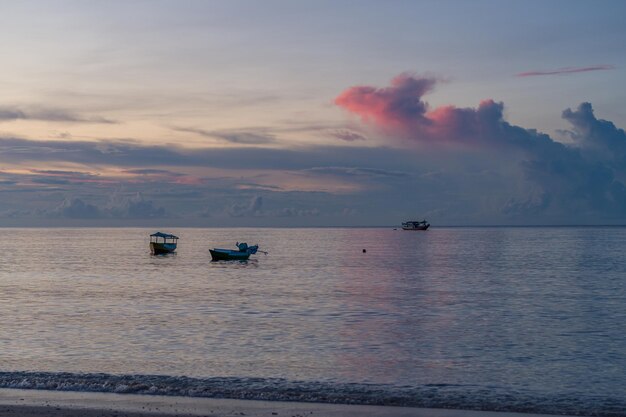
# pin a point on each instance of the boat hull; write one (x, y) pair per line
(228, 255)
(162, 248)
(416, 228)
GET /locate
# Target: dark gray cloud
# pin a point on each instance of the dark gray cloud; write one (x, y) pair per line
(133, 155)
(75, 208)
(247, 209)
(359, 172)
(241, 137)
(62, 177)
(295, 212)
(48, 114)
(264, 135)
(11, 114)
(566, 70)
(134, 207)
(246, 138)
(254, 207)
(20, 189)
(598, 138)
(587, 178)
(46, 180)
(534, 205)
(14, 214)
(347, 135)
(149, 171)
(62, 173)
(118, 207)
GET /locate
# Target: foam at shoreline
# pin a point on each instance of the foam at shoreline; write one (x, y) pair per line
(35, 403)
(446, 396)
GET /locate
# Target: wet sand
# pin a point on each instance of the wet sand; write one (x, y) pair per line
(37, 403)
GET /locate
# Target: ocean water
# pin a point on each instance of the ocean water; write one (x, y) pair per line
(516, 319)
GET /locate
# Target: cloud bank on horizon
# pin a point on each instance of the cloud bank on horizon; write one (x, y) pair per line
(468, 165)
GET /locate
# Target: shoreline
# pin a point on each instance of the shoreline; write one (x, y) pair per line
(35, 403)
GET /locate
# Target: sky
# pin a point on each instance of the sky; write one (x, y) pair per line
(325, 113)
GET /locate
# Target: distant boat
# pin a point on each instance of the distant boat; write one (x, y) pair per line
(242, 254)
(415, 225)
(162, 243)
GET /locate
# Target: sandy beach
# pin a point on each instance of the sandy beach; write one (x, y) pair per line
(31, 403)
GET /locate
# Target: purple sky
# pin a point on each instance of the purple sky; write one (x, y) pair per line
(328, 113)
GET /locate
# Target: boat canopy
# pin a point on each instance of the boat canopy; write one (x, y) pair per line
(163, 235)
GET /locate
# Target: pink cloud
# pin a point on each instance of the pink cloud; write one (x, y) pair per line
(397, 106)
(400, 111)
(567, 70)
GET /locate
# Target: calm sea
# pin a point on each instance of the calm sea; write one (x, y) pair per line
(518, 319)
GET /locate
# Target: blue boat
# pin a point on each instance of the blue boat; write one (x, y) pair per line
(162, 243)
(242, 254)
